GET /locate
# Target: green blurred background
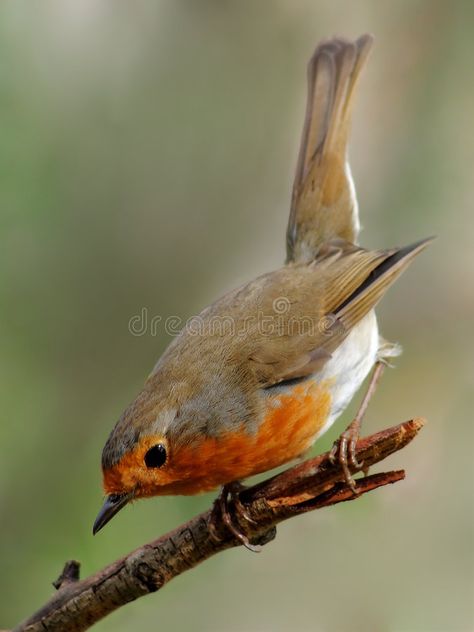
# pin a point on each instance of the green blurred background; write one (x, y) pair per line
(147, 151)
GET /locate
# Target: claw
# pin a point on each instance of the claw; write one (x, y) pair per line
(344, 450)
(230, 493)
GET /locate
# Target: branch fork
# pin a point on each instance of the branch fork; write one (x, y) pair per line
(310, 485)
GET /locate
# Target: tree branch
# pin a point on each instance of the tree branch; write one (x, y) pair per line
(314, 484)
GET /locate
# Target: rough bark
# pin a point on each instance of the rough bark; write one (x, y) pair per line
(314, 484)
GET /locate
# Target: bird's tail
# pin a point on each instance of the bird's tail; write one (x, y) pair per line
(324, 205)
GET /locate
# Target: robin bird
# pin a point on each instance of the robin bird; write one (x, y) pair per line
(258, 376)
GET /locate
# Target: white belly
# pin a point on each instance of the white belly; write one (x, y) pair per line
(349, 366)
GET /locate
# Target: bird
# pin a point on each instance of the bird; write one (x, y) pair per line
(269, 367)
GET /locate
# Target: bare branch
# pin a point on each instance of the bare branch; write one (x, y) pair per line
(70, 573)
(314, 484)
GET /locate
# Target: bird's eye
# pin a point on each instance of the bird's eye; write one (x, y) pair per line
(156, 456)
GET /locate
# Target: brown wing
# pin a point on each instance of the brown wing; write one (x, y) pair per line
(324, 205)
(346, 285)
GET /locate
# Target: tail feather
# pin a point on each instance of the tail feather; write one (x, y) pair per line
(323, 201)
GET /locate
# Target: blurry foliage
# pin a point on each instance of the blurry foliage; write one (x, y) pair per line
(146, 158)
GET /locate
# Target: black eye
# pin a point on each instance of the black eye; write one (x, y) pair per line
(156, 456)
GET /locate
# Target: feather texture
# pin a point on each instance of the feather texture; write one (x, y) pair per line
(324, 205)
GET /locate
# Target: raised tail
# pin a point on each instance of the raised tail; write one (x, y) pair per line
(324, 204)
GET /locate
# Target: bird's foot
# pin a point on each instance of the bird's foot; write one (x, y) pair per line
(344, 451)
(228, 503)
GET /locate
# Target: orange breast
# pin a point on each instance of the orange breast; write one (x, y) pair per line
(291, 421)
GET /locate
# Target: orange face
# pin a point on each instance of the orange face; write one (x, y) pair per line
(291, 421)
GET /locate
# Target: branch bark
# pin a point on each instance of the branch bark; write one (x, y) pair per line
(314, 484)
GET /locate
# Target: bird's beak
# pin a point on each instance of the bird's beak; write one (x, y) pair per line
(112, 505)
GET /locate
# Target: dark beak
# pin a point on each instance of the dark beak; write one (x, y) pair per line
(112, 505)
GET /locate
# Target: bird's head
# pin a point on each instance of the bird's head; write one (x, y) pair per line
(151, 451)
(162, 445)
(137, 457)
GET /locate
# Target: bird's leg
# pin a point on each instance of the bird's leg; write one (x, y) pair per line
(228, 499)
(344, 448)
